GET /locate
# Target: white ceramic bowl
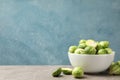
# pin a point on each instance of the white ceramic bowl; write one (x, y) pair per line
(91, 63)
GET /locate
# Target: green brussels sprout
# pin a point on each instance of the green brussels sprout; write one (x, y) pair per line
(91, 43)
(102, 51)
(90, 50)
(114, 69)
(118, 63)
(87, 49)
(104, 44)
(57, 72)
(109, 50)
(112, 64)
(79, 51)
(78, 72)
(82, 45)
(67, 71)
(82, 41)
(72, 49)
(99, 46)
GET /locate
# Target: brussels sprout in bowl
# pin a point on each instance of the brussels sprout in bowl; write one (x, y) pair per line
(91, 63)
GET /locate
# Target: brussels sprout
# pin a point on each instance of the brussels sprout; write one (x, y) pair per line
(82, 45)
(72, 49)
(57, 72)
(87, 49)
(102, 51)
(118, 63)
(104, 44)
(90, 50)
(78, 72)
(112, 65)
(91, 43)
(82, 41)
(99, 46)
(79, 51)
(67, 71)
(109, 50)
(115, 69)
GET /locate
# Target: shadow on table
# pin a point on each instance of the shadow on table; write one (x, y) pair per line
(100, 74)
(84, 77)
(70, 76)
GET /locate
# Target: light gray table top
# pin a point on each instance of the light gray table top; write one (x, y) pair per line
(39, 72)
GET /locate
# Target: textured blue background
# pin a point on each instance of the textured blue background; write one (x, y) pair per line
(40, 31)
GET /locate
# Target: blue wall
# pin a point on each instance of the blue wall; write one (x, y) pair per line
(40, 31)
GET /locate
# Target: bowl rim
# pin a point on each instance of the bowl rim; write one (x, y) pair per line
(113, 53)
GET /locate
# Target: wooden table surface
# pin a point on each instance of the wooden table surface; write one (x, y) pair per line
(39, 72)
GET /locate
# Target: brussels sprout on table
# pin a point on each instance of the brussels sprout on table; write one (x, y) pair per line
(67, 71)
(57, 72)
(118, 63)
(115, 68)
(78, 72)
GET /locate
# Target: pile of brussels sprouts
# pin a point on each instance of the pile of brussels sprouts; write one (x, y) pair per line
(91, 47)
(77, 72)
